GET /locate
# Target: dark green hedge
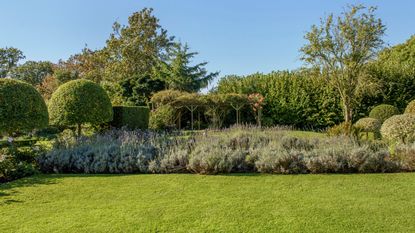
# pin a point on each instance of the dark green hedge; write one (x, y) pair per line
(131, 117)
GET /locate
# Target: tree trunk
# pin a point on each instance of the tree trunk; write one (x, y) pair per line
(79, 130)
(191, 118)
(348, 115)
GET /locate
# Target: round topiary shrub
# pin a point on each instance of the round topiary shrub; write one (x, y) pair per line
(22, 108)
(383, 112)
(399, 128)
(368, 124)
(410, 108)
(78, 102)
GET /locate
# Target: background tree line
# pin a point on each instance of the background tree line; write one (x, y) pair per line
(350, 71)
(138, 60)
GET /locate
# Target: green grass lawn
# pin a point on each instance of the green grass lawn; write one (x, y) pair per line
(196, 203)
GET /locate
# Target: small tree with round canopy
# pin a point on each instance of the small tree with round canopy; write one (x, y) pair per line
(78, 102)
(22, 108)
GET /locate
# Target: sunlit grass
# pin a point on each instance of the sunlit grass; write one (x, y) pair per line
(196, 203)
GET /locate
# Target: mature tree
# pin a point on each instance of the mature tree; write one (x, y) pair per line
(341, 47)
(63, 75)
(394, 72)
(181, 75)
(47, 87)
(9, 57)
(32, 72)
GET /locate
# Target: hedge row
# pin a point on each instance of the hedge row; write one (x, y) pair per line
(131, 117)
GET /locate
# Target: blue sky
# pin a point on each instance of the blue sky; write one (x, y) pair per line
(234, 36)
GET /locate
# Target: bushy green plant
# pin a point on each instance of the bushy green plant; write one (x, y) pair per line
(410, 108)
(78, 102)
(340, 129)
(399, 128)
(15, 164)
(22, 108)
(162, 117)
(383, 112)
(368, 124)
(131, 117)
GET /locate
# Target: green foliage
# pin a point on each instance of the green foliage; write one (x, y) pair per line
(339, 129)
(32, 72)
(394, 74)
(78, 102)
(368, 124)
(341, 47)
(383, 112)
(137, 89)
(21, 107)
(9, 57)
(166, 97)
(131, 117)
(162, 117)
(410, 109)
(180, 75)
(299, 98)
(65, 75)
(399, 128)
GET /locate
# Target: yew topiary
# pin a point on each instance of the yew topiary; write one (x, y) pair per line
(22, 108)
(78, 102)
(383, 112)
(368, 124)
(410, 108)
(399, 128)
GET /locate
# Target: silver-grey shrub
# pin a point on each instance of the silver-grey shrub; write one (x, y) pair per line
(215, 152)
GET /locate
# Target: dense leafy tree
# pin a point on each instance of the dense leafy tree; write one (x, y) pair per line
(32, 72)
(181, 75)
(64, 75)
(394, 73)
(89, 64)
(47, 87)
(9, 57)
(21, 107)
(78, 102)
(341, 48)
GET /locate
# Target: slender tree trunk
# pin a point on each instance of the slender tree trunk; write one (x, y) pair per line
(180, 120)
(259, 118)
(191, 118)
(79, 130)
(348, 115)
(198, 122)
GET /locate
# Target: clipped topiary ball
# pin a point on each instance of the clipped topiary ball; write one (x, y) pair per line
(383, 112)
(399, 128)
(368, 124)
(410, 108)
(79, 101)
(22, 108)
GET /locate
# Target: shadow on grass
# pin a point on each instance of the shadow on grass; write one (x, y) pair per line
(8, 190)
